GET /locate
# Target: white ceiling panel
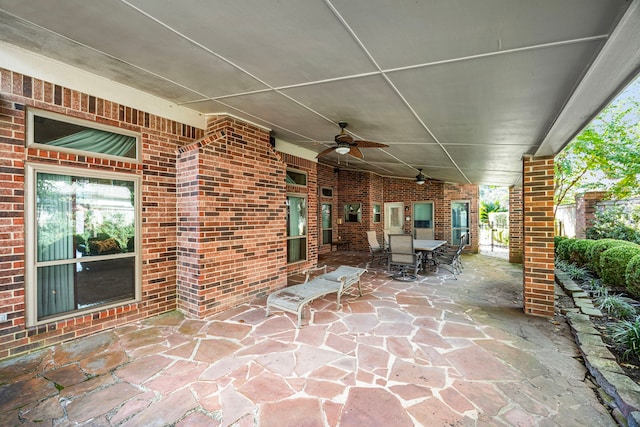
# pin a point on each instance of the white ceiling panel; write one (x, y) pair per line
(504, 99)
(119, 31)
(283, 42)
(448, 29)
(372, 109)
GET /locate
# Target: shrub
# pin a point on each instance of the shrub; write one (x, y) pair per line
(627, 335)
(562, 251)
(613, 263)
(580, 252)
(598, 248)
(615, 222)
(556, 241)
(632, 276)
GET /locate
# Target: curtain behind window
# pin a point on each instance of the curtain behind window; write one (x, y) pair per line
(97, 141)
(54, 231)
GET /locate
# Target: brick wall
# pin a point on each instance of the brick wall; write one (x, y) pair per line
(586, 211)
(159, 138)
(515, 225)
(231, 213)
(538, 231)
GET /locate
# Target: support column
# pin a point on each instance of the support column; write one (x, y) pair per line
(515, 225)
(538, 230)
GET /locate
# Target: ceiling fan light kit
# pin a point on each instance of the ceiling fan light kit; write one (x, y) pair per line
(343, 150)
(420, 178)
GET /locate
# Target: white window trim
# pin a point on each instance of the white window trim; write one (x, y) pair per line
(31, 112)
(31, 292)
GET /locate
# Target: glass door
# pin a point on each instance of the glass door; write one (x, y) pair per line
(459, 221)
(393, 220)
(423, 220)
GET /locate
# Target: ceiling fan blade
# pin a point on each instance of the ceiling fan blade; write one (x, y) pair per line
(369, 144)
(343, 137)
(355, 152)
(325, 152)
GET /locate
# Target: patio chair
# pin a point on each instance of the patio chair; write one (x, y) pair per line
(452, 260)
(293, 299)
(385, 235)
(402, 255)
(377, 251)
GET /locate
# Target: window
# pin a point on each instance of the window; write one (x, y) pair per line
(353, 212)
(295, 177)
(62, 133)
(459, 221)
(377, 215)
(81, 241)
(326, 192)
(296, 228)
(326, 220)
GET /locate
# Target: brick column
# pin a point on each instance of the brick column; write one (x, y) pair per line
(231, 219)
(538, 187)
(515, 225)
(586, 211)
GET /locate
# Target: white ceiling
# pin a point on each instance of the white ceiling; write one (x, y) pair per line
(460, 88)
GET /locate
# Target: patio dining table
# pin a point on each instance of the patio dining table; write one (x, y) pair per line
(428, 247)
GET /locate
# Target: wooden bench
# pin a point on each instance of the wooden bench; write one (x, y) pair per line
(293, 298)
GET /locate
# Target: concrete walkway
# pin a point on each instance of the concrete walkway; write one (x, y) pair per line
(436, 352)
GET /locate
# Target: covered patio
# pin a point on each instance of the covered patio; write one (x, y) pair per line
(436, 351)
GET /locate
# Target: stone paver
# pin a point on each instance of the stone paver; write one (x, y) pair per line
(427, 353)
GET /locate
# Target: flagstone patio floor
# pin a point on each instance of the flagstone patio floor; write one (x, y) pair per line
(434, 352)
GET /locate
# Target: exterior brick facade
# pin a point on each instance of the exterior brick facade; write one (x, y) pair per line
(159, 138)
(538, 228)
(515, 225)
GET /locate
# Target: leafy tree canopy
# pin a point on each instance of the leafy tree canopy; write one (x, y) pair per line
(605, 156)
(493, 199)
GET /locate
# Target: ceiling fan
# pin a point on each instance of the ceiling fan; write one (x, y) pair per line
(346, 145)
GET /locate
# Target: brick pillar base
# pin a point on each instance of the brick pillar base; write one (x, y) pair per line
(538, 187)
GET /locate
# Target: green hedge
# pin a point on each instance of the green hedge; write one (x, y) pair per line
(632, 276)
(613, 263)
(556, 242)
(598, 248)
(564, 248)
(580, 252)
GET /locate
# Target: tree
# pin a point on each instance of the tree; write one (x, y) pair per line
(493, 199)
(605, 156)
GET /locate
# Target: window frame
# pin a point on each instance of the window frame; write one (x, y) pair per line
(33, 112)
(322, 229)
(306, 235)
(352, 207)
(301, 173)
(31, 246)
(455, 240)
(326, 192)
(377, 214)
